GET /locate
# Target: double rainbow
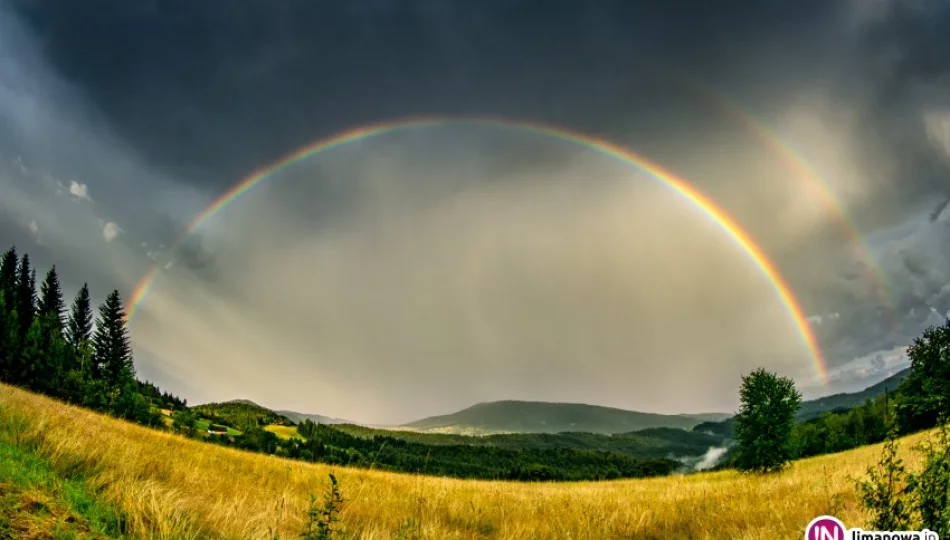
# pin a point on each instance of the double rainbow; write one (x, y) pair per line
(732, 229)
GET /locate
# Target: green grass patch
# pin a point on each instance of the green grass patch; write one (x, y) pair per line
(202, 425)
(36, 502)
(284, 432)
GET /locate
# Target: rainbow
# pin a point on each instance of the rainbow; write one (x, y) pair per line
(804, 171)
(732, 229)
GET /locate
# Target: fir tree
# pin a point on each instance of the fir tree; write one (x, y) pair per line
(79, 325)
(51, 301)
(8, 275)
(113, 353)
(25, 296)
(31, 368)
(8, 328)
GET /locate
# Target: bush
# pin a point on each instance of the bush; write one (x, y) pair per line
(903, 500)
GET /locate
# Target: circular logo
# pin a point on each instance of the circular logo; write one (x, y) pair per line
(825, 528)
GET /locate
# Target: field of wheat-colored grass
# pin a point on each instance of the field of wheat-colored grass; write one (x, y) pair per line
(172, 487)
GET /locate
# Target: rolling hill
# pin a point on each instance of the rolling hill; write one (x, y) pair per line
(542, 417)
(200, 490)
(814, 407)
(298, 417)
(239, 414)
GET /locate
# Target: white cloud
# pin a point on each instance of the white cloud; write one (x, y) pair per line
(35, 231)
(110, 231)
(938, 128)
(80, 191)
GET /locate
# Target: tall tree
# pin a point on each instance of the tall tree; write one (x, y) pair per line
(765, 421)
(113, 353)
(25, 296)
(8, 330)
(79, 325)
(51, 305)
(925, 392)
(9, 263)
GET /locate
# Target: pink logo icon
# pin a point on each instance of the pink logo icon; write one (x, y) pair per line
(825, 528)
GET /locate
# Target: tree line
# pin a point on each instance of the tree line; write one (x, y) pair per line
(71, 354)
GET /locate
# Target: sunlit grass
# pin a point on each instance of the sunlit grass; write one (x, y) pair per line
(175, 487)
(284, 432)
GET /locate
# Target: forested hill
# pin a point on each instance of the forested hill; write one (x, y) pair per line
(240, 414)
(542, 417)
(813, 408)
(816, 407)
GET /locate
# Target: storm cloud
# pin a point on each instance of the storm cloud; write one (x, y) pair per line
(419, 271)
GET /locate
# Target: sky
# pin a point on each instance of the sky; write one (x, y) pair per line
(420, 271)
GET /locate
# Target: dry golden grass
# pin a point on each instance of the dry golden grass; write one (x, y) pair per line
(172, 487)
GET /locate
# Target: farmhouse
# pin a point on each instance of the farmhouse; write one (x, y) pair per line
(217, 430)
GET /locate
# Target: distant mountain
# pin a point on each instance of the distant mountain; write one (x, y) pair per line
(542, 417)
(813, 408)
(315, 418)
(293, 416)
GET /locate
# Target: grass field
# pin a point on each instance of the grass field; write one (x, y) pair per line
(37, 502)
(171, 487)
(284, 432)
(203, 425)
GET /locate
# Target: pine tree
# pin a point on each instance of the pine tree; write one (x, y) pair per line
(79, 325)
(31, 368)
(8, 275)
(7, 339)
(25, 296)
(113, 352)
(51, 301)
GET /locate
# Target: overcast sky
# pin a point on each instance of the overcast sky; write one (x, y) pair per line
(421, 271)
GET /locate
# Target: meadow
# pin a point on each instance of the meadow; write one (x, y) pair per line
(168, 486)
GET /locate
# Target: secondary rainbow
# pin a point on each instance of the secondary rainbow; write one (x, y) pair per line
(678, 185)
(804, 171)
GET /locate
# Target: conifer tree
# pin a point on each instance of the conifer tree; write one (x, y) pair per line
(51, 365)
(113, 352)
(25, 296)
(31, 369)
(8, 275)
(79, 325)
(7, 335)
(51, 301)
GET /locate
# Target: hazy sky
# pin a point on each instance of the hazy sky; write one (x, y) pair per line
(421, 271)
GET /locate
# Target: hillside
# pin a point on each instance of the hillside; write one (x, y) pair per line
(297, 418)
(542, 417)
(239, 414)
(196, 489)
(815, 407)
(652, 442)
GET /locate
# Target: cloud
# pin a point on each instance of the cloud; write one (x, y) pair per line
(408, 275)
(110, 231)
(35, 230)
(80, 191)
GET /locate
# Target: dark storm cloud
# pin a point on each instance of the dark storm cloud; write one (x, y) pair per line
(157, 107)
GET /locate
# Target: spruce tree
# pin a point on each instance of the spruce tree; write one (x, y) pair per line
(51, 301)
(8, 275)
(32, 370)
(50, 369)
(25, 296)
(7, 339)
(79, 325)
(113, 352)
